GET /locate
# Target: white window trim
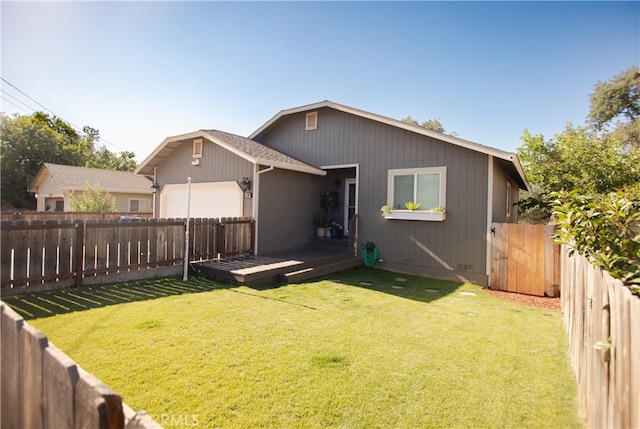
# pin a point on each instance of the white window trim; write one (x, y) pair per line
(426, 214)
(197, 153)
(313, 122)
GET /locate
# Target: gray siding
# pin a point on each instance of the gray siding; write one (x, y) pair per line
(287, 203)
(216, 165)
(454, 248)
(499, 206)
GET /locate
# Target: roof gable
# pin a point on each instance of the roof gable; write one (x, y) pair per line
(73, 178)
(250, 150)
(515, 168)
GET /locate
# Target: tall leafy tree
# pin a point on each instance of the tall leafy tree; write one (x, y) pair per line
(594, 159)
(430, 124)
(615, 106)
(27, 141)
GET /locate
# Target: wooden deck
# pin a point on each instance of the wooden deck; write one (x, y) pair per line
(287, 267)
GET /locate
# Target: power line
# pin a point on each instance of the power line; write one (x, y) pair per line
(18, 89)
(77, 128)
(10, 102)
(16, 99)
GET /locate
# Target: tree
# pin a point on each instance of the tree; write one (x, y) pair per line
(93, 200)
(27, 141)
(595, 159)
(615, 106)
(104, 158)
(430, 124)
(578, 159)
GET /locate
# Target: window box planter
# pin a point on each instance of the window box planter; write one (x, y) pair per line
(416, 215)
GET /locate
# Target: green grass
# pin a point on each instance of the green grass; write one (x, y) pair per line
(331, 353)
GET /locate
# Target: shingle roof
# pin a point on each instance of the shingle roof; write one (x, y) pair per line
(254, 149)
(71, 177)
(248, 149)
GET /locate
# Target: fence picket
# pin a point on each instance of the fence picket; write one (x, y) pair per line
(5, 254)
(49, 255)
(609, 392)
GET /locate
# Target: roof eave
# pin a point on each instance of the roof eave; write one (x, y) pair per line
(291, 167)
(508, 156)
(146, 168)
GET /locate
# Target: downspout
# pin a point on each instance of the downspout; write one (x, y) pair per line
(256, 194)
(489, 216)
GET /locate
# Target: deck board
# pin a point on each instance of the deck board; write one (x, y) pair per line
(265, 268)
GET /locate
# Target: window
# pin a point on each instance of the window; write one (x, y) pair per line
(311, 122)
(136, 205)
(197, 148)
(423, 186)
(508, 199)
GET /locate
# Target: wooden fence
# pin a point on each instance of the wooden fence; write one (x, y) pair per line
(41, 387)
(524, 259)
(44, 216)
(38, 255)
(602, 319)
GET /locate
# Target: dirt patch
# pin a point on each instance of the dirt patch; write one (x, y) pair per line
(528, 300)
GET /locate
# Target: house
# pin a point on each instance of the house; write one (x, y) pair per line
(56, 185)
(277, 174)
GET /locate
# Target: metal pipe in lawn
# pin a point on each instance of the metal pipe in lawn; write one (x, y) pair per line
(185, 272)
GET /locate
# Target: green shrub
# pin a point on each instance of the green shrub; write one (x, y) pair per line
(603, 228)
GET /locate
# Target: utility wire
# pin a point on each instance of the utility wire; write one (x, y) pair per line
(100, 138)
(11, 102)
(35, 101)
(7, 94)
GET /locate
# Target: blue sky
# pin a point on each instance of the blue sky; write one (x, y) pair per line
(142, 71)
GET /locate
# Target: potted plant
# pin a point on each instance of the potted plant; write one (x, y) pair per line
(336, 230)
(321, 222)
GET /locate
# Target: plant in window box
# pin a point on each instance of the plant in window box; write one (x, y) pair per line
(386, 210)
(436, 214)
(412, 205)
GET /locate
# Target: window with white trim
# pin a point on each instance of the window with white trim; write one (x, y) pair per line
(197, 148)
(311, 121)
(423, 188)
(139, 205)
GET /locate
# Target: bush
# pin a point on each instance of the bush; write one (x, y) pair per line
(93, 200)
(603, 228)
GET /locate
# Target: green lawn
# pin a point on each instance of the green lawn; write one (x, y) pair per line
(331, 353)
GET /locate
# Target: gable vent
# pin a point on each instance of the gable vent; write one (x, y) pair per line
(197, 148)
(311, 122)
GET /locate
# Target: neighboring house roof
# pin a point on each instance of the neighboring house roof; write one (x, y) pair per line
(72, 178)
(245, 148)
(508, 160)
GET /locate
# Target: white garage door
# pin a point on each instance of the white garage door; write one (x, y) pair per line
(208, 200)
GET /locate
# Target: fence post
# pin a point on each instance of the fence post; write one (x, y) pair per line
(252, 234)
(221, 239)
(78, 244)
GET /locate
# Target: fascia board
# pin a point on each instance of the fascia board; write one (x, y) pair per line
(508, 156)
(172, 139)
(291, 167)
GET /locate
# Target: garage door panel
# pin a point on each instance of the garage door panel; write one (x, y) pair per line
(208, 200)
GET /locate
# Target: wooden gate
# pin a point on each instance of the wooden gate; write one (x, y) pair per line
(524, 259)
